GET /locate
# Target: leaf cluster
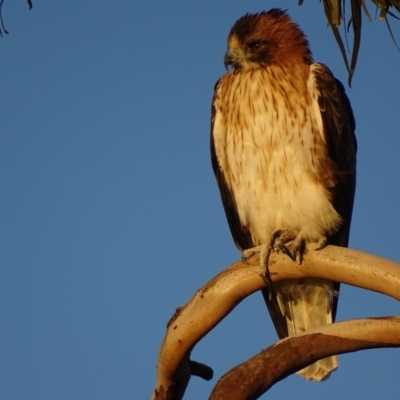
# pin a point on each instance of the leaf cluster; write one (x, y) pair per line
(335, 11)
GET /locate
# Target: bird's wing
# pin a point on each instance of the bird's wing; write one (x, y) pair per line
(240, 235)
(336, 122)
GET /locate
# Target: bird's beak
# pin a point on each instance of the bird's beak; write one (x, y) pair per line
(230, 58)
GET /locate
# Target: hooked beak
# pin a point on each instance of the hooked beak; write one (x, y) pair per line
(230, 58)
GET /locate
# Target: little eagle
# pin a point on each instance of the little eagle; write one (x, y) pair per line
(283, 152)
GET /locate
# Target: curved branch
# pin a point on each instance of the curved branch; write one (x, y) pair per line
(255, 376)
(193, 321)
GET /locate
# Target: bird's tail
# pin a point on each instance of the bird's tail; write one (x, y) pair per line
(305, 306)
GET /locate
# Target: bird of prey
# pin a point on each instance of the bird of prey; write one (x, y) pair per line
(283, 152)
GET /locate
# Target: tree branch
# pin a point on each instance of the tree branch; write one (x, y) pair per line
(255, 376)
(193, 321)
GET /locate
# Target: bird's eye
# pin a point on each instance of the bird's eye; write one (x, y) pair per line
(255, 45)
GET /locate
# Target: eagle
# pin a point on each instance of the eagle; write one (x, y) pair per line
(283, 151)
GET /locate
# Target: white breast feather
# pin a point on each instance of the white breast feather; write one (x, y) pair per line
(267, 153)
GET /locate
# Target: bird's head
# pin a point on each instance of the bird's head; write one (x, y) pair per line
(266, 38)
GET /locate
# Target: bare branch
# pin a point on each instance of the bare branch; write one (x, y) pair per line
(254, 377)
(217, 298)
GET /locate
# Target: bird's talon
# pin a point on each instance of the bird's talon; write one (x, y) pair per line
(286, 251)
(299, 248)
(274, 237)
(279, 239)
(322, 243)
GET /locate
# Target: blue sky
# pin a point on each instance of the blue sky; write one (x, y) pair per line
(110, 214)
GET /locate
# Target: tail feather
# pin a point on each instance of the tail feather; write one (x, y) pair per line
(320, 370)
(304, 306)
